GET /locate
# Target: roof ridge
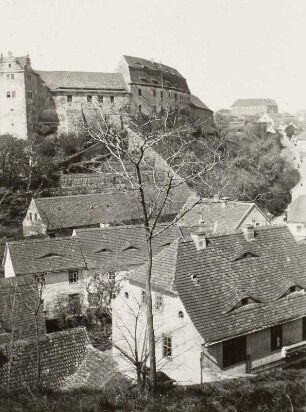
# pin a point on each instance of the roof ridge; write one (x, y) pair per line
(83, 195)
(41, 240)
(75, 71)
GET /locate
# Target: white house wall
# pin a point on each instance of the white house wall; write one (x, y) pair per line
(9, 271)
(34, 226)
(184, 366)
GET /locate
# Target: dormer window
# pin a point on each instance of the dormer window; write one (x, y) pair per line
(244, 301)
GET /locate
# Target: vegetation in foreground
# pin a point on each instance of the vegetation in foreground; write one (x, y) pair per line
(278, 391)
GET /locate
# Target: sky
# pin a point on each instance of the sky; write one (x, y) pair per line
(226, 49)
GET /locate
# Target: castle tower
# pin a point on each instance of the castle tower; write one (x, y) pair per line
(17, 94)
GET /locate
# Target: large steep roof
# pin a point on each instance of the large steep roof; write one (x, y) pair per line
(144, 71)
(229, 269)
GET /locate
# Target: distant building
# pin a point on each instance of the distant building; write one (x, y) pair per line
(222, 306)
(253, 107)
(34, 101)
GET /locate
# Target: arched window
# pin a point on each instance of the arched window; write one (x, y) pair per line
(181, 314)
(139, 92)
(126, 295)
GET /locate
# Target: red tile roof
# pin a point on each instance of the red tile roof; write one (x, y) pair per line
(228, 270)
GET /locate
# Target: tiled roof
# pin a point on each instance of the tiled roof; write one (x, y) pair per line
(95, 370)
(61, 353)
(195, 101)
(59, 80)
(227, 214)
(45, 255)
(121, 247)
(87, 210)
(230, 269)
(19, 301)
(297, 210)
(165, 76)
(254, 102)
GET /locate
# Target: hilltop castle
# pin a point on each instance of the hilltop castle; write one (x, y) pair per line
(34, 101)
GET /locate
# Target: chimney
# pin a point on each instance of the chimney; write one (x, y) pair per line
(248, 231)
(199, 237)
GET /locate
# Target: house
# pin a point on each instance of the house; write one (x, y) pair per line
(30, 357)
(220, 215)
(296, 217)
(61, 214)
(59, 262)
(224, 305)
(66, 264)
(19, 301)
(34, 101)
(253, 107)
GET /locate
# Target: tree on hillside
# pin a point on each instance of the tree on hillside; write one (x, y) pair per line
(153, 155)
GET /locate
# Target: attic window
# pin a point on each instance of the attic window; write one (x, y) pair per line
(126, 295)
(131, 248)
(103, 250)
(181, 314)
(244, 255)
(244, 301)
(47, 255)
(194, 278)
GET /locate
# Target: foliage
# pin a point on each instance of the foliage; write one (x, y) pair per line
(278, 391)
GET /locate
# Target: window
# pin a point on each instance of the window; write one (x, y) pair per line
(161, 94)
(112, 99)
(29, 77)
(126, 295)
(257, 224)
(304, 329)
(74, 303)
(276, 337)
(7, 76)
(12, 76)
(167, 346)
(159, 302)
(73, 276)
(139, 107)
(234, 351)
(299, 228)
(13, 95)
(143, 296)
(30, 216)
(69, 98)
(154, 93)
(175, 96)
(89, 98)
(244, 301)
(35, 217)
(30, 95)
(9, 65)
(100, 99)
(181, 314)
(139, 92)
(169, 94)
(111, 276)
(8, 95)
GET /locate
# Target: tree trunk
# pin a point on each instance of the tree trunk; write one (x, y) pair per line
(151, 336)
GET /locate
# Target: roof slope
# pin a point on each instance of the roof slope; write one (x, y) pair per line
(45, 255)
(254, 102)
(230, 269)
(162, 75)
(297, 210)
(196, 102)
(121, 247)
(227, 214)
(86, 210)
(58, 80)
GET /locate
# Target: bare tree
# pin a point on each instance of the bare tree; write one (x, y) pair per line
(156, 157)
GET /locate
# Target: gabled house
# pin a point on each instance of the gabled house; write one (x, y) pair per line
(58, 262)
(224, 305)
(220, 215)
(60, 215)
